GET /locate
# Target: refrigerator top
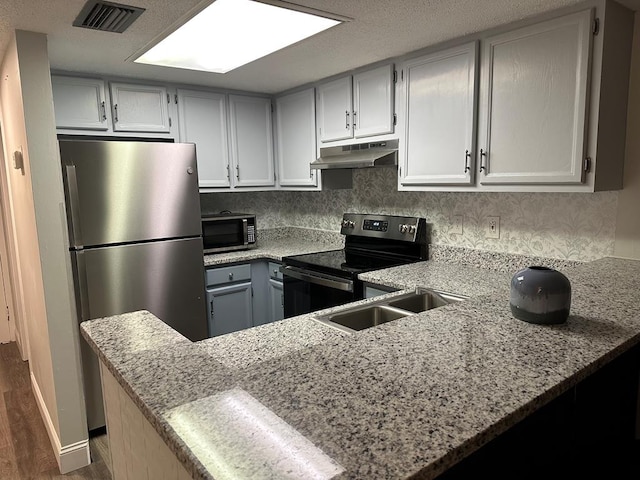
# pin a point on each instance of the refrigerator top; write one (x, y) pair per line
(128, 192)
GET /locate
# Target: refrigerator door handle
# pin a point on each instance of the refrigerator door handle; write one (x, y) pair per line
(245, 231)
(79, 265)
(73, 215)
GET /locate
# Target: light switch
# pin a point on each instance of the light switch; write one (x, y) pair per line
(18, 161)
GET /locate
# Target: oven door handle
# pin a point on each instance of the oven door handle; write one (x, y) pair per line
(321, 279)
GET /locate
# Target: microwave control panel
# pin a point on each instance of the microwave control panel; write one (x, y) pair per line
(251, 234)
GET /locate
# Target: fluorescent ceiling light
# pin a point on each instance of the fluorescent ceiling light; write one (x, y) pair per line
(231, 33)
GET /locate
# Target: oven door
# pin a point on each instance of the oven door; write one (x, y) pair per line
(308, 291)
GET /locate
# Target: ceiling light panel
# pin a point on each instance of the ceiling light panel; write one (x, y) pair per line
(231, 33)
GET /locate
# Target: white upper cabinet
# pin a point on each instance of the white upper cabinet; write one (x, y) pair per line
(296, 139)
(533, 106)
(334, 110)
(437, 112)
(79, 103)
(251, 141)
(202, 118)
(358, 106)
(373, 102)
(140, 108)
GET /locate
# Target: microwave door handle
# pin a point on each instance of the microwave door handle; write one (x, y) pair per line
(245, 231)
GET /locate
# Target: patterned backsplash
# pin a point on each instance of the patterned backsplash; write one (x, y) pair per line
(576, 226)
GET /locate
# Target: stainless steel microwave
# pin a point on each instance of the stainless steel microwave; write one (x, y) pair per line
(225, 232)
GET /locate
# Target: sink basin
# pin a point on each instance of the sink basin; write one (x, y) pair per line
(366, 316)
(422, 301)
(383, 311)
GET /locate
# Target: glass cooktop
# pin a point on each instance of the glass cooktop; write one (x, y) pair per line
(343, 263)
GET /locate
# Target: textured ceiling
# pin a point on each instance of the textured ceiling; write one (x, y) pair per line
(380, 29)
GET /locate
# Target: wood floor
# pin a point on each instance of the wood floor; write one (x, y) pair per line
(25, 450)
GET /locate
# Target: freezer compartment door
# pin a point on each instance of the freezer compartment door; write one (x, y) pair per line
(120, 192)
(166, 278)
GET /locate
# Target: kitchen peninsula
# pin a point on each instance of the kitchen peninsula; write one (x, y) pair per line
(413, 397)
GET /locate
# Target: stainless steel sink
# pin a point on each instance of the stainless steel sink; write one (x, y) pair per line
(365, 316)
(422, 301)
(376, 313)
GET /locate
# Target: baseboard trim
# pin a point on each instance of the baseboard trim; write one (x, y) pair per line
(69, 457)
(21, 349)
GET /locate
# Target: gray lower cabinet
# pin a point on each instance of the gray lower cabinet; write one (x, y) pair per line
(261, 299)
(277, 299)
(276, 293)
(268, 301)
(243, 296)
(229, 299)
(230, 308)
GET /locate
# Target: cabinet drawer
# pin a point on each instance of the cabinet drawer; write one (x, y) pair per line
(235, 273)
(274, 270)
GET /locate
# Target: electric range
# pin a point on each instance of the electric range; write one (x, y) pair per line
(315, 281)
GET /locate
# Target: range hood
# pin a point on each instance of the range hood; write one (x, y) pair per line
(362, 155)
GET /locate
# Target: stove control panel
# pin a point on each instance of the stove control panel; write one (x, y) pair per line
(403, 228)
(348, 223)
(375, 225)
(393, 227)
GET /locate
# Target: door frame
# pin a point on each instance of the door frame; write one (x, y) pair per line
(9, 250)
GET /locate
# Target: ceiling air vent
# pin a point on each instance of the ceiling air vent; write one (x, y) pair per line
(107, 16)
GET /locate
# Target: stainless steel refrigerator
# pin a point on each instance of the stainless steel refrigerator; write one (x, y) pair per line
(135, 239)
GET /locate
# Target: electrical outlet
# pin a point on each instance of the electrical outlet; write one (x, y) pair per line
(456, 224)
(492, 227)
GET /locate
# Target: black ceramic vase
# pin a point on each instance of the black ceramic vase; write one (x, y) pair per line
(540, 295)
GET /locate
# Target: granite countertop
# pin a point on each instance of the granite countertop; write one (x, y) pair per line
(275, 244)
(298, 399)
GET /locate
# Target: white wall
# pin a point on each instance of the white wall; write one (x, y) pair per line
(40, 221)
(33, 317)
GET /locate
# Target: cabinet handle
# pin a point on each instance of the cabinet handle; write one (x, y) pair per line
(275, 272)
(237, 172)
(467, 156)
(483, 158)
(346, 116)
(104, 111)
(231, 276)
(115, 108)
(211, 308)
(354, 119)
(228, 173)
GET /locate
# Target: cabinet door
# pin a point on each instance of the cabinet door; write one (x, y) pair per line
(139, 108)
(277, 300)
(203, 121)
(229, 308)
(261, 297)
(438, 117)
(533, 111)
(251, 141)
(334, 110)
(296, 138)
(79, 103)
(373, 102)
